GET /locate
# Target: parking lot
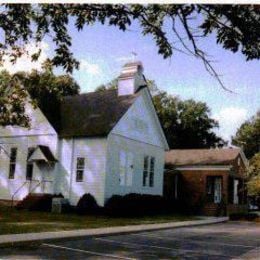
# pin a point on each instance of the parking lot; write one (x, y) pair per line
(232, 240)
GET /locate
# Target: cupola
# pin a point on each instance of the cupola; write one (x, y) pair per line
(131, 79)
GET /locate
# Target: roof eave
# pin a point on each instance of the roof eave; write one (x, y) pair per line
(203, 167)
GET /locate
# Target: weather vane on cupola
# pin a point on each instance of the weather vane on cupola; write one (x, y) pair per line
(133, 56)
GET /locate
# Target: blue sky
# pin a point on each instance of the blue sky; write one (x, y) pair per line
(107, 49)
(103, 50)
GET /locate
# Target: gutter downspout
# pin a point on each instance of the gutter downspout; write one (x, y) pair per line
(71, 167)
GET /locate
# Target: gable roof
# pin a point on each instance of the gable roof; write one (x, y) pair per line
(92, 114)
(158, 122)
(202, 156)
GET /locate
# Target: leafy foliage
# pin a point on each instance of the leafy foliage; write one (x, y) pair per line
(253, 184)
(12, 101)
(45, 89)
(133, 204)
(187, 124)
(254, 166)
(111, 85)
(87, 204)
(235, 27)
(248, 136)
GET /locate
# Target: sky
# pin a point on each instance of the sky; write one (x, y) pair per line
(103, 50)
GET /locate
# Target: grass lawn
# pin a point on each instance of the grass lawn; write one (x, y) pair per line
(14, 221)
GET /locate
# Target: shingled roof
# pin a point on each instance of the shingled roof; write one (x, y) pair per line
(201, 156)
(92, 114)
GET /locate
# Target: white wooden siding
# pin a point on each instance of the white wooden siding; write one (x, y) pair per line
(117, 143)
(40, 172)
(136, 133)
(94, 152)
(39, 133)
(139, 123)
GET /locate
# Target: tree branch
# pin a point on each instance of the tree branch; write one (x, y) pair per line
(198, 53)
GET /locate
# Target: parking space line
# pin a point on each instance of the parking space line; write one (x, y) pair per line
(158, 247)
(133, 244)
(87, 252)
(190, 240)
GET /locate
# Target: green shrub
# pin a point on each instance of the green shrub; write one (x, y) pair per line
(87, 204)
(136, 205)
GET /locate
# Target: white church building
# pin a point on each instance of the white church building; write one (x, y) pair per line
(103, 143)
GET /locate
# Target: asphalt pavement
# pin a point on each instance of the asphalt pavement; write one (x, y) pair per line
(230, 240)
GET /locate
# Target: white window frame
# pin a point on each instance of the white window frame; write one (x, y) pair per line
(218, 190)
(148, 171)
(80, 168)
(214, 187)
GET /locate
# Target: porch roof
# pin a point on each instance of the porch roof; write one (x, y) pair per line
(42, 153)
(192, 157)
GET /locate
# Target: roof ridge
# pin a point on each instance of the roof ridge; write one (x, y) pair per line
(100, 93)
(89, 93)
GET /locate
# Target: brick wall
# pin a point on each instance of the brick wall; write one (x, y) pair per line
(192, 187)
(195, 181)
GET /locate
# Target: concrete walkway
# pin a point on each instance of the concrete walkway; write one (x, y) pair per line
(43, 236)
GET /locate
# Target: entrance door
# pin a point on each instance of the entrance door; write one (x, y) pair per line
(217, 190)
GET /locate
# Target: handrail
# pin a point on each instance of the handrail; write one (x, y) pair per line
(36, 186)
(17, 192)
(30, 190)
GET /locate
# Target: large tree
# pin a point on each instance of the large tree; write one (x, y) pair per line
(235, 27)
(248, 136)
(253, 184)
(187, 124)
(45, 90)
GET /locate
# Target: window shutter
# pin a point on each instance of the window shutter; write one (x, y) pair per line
(145, 171)
(151, 175)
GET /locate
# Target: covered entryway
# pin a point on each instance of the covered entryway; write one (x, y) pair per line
(39, 170)
(39, 174)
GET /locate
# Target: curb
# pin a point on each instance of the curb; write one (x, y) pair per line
(12, 239)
